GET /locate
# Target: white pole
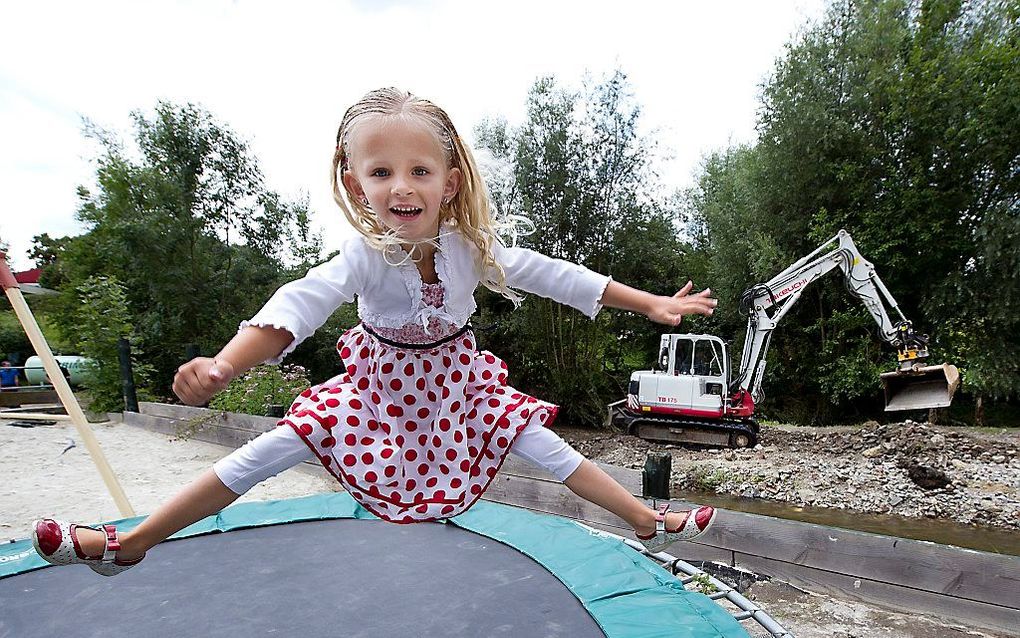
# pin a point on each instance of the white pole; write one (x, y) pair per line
(60, 384)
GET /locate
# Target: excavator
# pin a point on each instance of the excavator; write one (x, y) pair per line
(691, 396)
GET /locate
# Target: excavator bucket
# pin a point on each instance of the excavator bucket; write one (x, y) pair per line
(920, 388)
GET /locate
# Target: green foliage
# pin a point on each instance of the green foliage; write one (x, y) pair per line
(262, 386)
(189, 230)
(890, 119)
(12, 337)
(707, 478)
(702, 583)
(317, 354)
(102, 319)
(582, 175)
(15, 342)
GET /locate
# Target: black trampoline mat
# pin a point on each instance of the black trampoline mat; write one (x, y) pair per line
(342, 577)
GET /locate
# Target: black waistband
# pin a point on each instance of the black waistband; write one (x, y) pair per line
(415, 346)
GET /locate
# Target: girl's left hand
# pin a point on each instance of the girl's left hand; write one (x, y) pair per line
(670, 310)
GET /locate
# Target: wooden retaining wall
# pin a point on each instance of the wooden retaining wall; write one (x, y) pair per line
(966, 586)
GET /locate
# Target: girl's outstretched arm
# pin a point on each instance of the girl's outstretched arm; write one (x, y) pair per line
(199, 379)
(660, 308)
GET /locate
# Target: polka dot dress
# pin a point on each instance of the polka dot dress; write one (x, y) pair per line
(414, 434)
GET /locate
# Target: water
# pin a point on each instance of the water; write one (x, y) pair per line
(980, 537)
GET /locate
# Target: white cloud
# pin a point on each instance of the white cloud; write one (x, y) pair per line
(281, 75)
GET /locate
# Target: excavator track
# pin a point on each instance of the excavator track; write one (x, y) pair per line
(670, 429)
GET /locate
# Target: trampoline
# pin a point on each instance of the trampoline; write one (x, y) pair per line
(323, 566)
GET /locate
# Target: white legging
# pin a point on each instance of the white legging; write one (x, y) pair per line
(281, 448)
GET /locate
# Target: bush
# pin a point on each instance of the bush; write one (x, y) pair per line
(12, 337)
(262, 386)
(102, 319)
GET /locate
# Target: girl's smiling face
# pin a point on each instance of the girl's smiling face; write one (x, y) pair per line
(399, 166)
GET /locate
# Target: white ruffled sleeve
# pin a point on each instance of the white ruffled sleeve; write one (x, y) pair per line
(302, 306)
(557, 279)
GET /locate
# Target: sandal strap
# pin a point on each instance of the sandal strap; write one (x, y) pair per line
(112, 544)
(660, 518)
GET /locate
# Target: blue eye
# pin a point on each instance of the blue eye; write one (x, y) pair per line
(419, 171)
(380, 172)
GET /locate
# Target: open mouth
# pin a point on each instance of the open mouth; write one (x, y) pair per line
(405, 211)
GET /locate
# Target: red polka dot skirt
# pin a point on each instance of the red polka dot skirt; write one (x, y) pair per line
(414, 435)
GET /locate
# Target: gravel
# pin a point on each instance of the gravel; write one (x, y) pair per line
(908, 469)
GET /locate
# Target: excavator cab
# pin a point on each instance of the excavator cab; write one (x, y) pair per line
(915, 386)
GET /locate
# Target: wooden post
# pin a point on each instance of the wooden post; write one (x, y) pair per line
(127, 377)
(60, 384)
(276, 410)
(655, 477)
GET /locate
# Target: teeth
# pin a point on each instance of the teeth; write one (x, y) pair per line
(405, 210)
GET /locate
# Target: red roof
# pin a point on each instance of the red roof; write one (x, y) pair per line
(28, 276)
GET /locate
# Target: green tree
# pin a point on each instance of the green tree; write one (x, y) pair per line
(188, 227)
(103, 319)
(891, 119)
(13, 340)
(582, 175)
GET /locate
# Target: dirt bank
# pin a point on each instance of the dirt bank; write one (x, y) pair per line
(908, 469)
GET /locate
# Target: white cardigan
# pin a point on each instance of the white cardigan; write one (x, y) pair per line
(390, 296)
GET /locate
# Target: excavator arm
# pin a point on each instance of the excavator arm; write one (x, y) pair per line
(911, 386)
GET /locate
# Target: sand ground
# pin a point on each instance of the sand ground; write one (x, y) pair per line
(43, 476)
(46, 471)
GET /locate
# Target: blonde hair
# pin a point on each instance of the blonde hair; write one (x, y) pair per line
(468, 211)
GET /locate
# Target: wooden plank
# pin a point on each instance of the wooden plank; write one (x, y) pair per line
(33, 416)
(962, 573)
(629, 479)
(972, 575)
(189, 427)
(248, 422)
(549, 497)
(35, 407)
(542, 496)
(552, 498)
(230, 439)
(227, 437)
(555, 498)
(24, 396)
(912, 601)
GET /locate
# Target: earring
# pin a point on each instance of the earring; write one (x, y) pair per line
(446, 201)
(364, 201)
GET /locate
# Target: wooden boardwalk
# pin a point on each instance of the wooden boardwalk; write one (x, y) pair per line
(970, 587)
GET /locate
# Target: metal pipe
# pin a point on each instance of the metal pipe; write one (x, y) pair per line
(748, 610)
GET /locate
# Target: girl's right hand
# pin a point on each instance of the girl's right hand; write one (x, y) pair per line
(199, 379)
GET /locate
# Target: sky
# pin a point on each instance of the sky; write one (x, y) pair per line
(280, 75)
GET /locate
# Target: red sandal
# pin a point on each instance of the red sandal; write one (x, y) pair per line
(57, 544)
(695, 523)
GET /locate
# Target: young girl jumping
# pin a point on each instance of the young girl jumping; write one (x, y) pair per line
(419, 421)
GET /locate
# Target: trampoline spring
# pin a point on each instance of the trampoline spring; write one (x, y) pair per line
(669, 562)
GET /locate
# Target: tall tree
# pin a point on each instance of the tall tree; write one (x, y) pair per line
(889, 118)
(582, 175)
(189, 228)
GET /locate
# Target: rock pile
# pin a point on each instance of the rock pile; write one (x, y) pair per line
(909, 469)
